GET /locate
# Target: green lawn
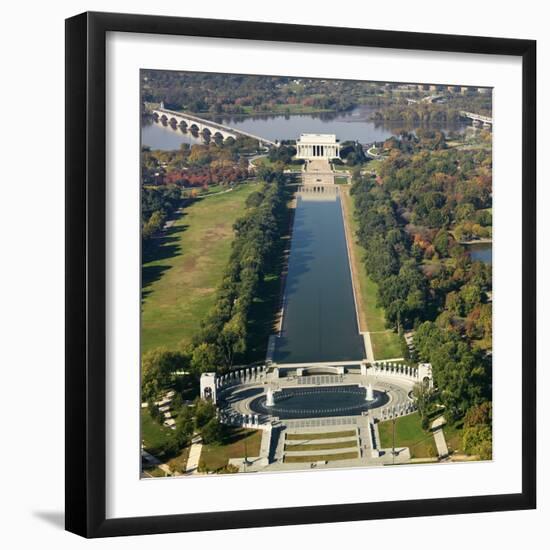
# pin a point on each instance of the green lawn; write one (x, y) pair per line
(324, 435)
(240, 441)
(153, 434)
(386, 344)
(340, 180)
(154, 472)
(408, 433)
(183, 268)
(319, 458)
(322, 446)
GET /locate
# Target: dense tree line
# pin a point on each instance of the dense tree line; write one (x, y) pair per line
(156, 206)
(158, 166)
(441, 188)
(224, 335)
(425, 279)
(284, 154)
(461, 373)
(225, 173)
(447, 112)
(220, 94)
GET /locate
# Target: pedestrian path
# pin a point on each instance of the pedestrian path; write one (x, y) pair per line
(439, 437)
(192, 466)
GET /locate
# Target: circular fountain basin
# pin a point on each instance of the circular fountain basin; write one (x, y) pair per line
(318, 402)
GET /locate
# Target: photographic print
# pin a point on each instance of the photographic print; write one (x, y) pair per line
(316, 273)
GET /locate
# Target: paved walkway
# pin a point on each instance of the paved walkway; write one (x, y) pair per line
(192, 466)
(154, 461)
(439, 436)
(318, 172)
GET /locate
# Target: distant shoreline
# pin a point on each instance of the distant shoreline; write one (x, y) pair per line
(477, 241)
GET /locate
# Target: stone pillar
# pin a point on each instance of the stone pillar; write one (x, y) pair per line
(208, 387)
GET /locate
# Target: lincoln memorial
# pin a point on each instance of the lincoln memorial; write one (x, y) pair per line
(317, 146)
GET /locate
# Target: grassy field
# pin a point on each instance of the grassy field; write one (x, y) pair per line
(319, 458)
(386, 344)
(153, 434)
(240, 442)
(324, 435)
(154, 472)
(182, 269)
(408, 433)
(322, 446)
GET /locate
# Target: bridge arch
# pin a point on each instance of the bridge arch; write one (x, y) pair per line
(196, 124)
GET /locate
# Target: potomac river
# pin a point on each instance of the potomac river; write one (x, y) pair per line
(350, 125)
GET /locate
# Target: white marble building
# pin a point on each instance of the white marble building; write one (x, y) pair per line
(317, 146)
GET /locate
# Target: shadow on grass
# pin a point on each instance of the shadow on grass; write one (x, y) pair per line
(164, 246)
(234, 435)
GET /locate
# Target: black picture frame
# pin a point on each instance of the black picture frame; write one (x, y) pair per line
(86, 279)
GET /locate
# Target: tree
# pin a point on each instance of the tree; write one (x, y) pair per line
(471, 296)
(423, 398)
(204, 412)
(213, 432)
(478, 440)
(233, 338)
(479, 415)
(157, 368)
(441, 243)
(207, 357)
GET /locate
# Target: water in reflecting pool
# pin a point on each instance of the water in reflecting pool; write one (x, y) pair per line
(319, 321)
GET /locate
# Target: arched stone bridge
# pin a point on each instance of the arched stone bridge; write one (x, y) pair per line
(193, 122)
(487, 121)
